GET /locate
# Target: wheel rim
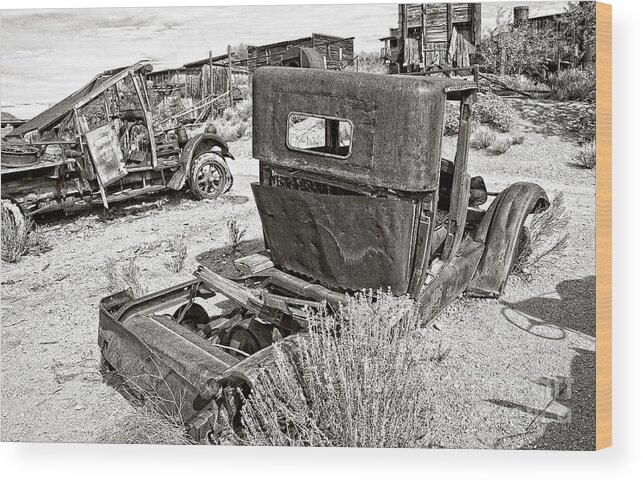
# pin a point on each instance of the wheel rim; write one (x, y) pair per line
(209, 177)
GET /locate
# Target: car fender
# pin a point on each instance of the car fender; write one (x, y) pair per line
(196, 146)
(500, 230)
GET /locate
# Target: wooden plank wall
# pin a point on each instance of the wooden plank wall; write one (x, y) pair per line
(326, 45)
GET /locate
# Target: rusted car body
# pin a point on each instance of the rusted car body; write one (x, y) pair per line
(353, 194)
(100, 146)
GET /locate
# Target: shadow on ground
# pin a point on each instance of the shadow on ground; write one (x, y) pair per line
(571, 121)
(553, 318)
(549, 317)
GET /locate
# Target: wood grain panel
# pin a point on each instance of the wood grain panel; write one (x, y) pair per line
(603, 225)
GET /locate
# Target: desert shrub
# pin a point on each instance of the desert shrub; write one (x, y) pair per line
(490, 109)
(501, 144)
(451, 119)
(235, 121)
(521, 82)
(178, 253)
(574, 85)
(167, 106)
(244, 109)
(371, 62)
(123, 276)
(482, 137)
(357, 379)
(145, 426)
(236, 232)
(20, 236)
(586, 155)
(545, 237)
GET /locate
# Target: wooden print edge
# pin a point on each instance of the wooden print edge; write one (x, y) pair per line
(603, 225)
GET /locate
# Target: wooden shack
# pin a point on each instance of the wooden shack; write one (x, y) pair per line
(433, 34)
(202, 81)
(337, 52)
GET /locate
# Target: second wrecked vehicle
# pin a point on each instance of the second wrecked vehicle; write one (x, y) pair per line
(353, 194)
(100, 145)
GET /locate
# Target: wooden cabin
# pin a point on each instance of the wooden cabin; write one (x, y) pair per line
(337, 52)
(207, 78)
(433, 34)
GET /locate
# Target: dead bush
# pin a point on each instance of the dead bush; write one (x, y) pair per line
(451, 119)
(545, 237)
(235, 121)
(500, 145)
(357, 379)
(494, 111)
(145, 426)
(586, 155)
(20, 236)
(574, 84)
(178, 253)
(236, 232)
(482, 137)
(123, 276)
(371, 62)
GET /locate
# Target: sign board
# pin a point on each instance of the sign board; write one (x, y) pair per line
(106, 153)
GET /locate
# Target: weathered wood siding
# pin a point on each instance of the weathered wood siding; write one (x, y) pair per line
(428, 28)
(337, 51)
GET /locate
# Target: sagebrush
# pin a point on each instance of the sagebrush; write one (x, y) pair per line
(123, 276)
(586, 155)
(547, 236)
(236, 232)
(574, 84)
(358, 378)
(20, 236)
(494, 111)
(178, 253)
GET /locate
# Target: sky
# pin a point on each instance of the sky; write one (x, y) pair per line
(46, 54)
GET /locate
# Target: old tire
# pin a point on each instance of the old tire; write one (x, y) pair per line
(208, 176)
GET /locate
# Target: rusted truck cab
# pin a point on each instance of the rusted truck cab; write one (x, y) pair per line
(353, 194)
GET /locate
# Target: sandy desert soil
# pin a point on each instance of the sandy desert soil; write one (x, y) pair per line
(493, 388)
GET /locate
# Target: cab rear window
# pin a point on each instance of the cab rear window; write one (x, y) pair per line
(317, 134)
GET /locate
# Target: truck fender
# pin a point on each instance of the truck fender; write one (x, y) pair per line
(500, 230)
(196, 146)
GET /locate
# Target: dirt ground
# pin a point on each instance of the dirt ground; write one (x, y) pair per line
(503, 359)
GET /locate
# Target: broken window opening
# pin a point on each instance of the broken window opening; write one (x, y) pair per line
(321, 135)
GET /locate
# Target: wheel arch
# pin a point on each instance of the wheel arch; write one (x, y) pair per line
(499, 230)
(196, 146)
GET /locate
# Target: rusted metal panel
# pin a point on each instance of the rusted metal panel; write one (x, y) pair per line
(106, 153)
(348, 242)
(451, 281)
(412, 118)
(500, 230)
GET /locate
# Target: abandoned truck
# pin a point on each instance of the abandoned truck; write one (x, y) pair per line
(100, 146)
(352, 194)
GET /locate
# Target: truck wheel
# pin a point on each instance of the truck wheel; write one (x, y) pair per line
(208, 177)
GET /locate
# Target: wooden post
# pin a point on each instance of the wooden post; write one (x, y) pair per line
(476, 24)
(230, 76)
(449, 60)
(404, 33)
(422, 37)
(211, 85)
(357, 63)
